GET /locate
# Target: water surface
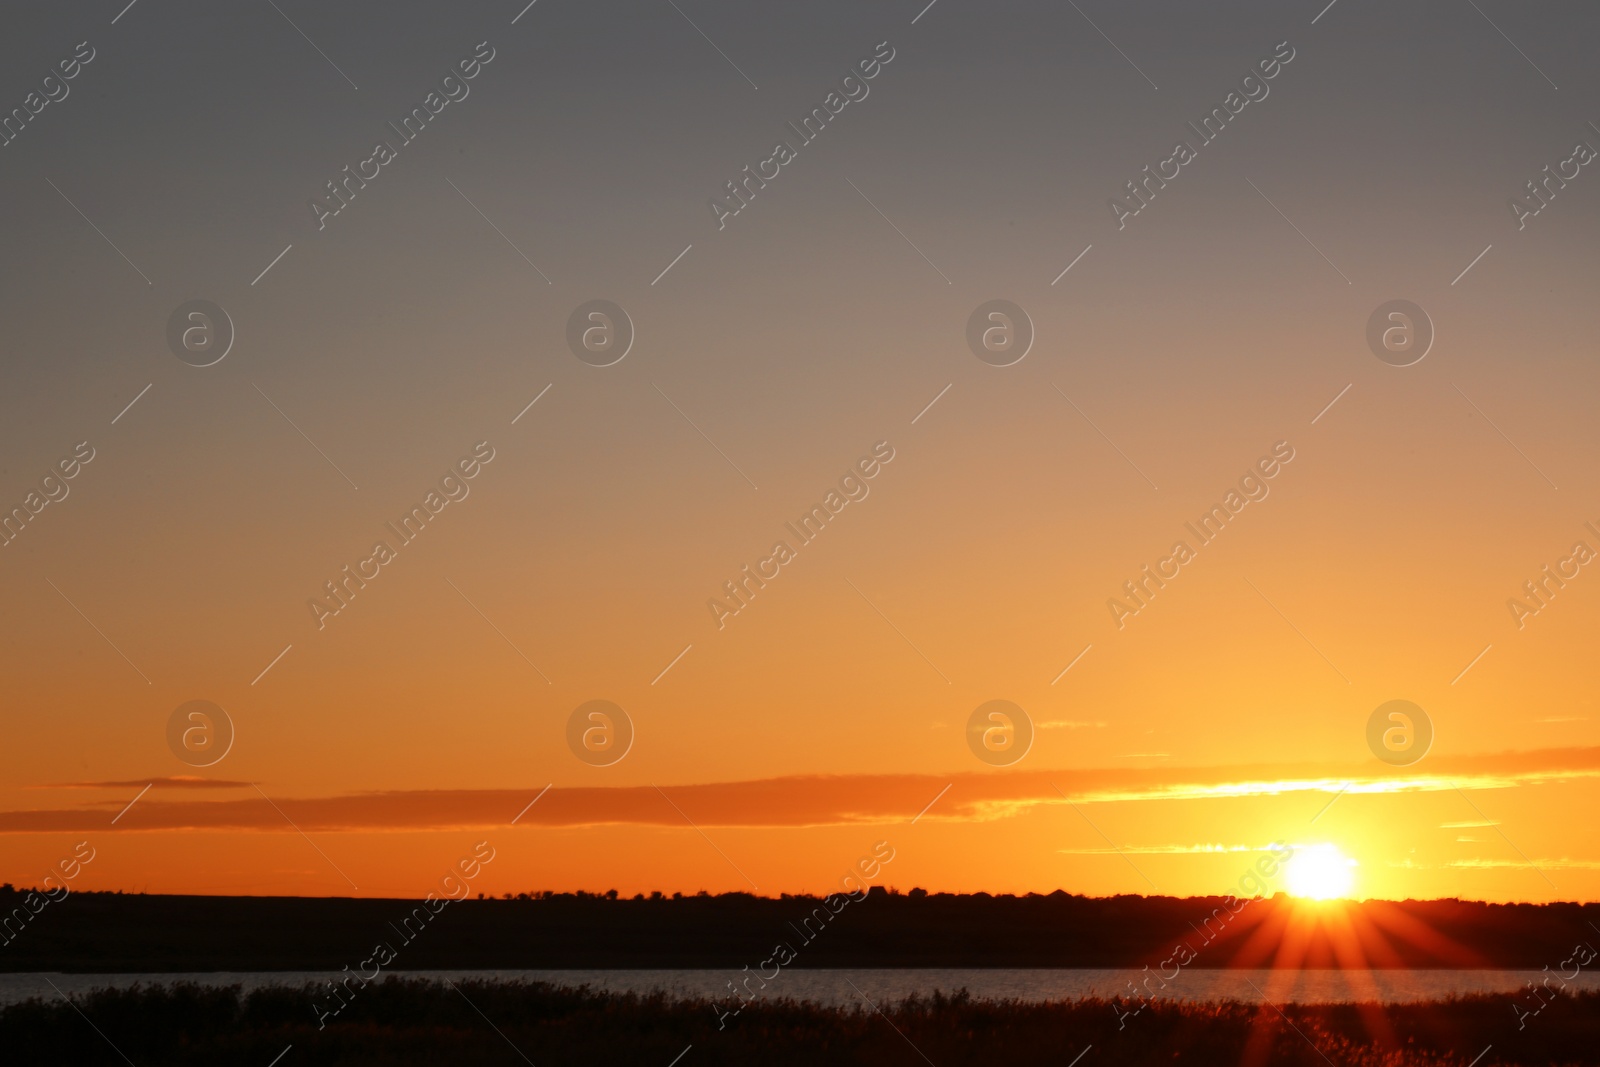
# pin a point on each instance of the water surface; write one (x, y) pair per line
(850, 986)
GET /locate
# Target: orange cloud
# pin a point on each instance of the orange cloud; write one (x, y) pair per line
(817, 800)
(178, 781)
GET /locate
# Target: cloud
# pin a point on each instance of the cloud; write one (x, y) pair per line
(1165, 850)
(1522, 865)
(179, 781)
(817, 800)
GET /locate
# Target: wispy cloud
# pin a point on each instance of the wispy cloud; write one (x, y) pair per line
(813, 800)
(1166, 850)
(1522, 865)
(180, 781)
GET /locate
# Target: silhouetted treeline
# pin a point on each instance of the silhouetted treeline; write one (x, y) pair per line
(399, 1023)
(137, 933)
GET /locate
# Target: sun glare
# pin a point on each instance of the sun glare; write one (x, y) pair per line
(1319, 872)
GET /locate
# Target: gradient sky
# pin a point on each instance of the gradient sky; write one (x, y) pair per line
(376, 352)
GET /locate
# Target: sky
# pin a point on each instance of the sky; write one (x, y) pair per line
(424, 347)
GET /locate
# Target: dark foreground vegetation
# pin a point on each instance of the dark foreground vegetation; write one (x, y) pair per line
(403, 1022)
(113, 932)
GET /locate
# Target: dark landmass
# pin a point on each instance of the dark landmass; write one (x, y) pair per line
(114, 932)
(416, 1022)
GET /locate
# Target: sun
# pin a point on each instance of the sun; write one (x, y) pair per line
(1319, 872)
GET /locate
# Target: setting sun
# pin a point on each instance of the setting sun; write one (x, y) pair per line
(1320, 872)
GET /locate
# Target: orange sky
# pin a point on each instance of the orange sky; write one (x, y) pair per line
(771, 359)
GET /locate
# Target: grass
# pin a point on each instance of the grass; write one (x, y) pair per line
(415, 1021)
